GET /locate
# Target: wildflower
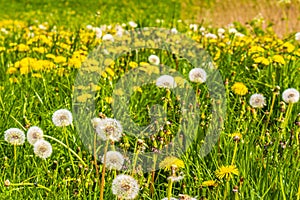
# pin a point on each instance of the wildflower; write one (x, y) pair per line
(236, 136)
(34, 134)
(42, 149)
(175, 178)
(132, 24)
(96, 121)
(209, 183)
(114, 160)
(239, 88)
(6, 183)
(125, 187)
(14, 136)
(211, 36)
(297, 36)
(257, 101)
(108, 37)
(170, 161)
(166, 198)
(278, 59)
(62, 117)
(166, 81)
(226, 171)
(290, 95)
(197, 75)
(174, 31)
(153, 59)
(109, 129)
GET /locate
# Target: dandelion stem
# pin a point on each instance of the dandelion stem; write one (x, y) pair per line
(67, 142)
(30, 184)
(103, 171)
(15, 161)
(95, 158)
(282, 188)
(234, 153)
(135, 158)
(271, 109)
(61, 143)
(170, 184)
(287, 117)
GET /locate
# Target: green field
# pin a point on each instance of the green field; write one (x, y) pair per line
(94, 59)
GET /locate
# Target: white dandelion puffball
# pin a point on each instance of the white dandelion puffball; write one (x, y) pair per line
(125, 187)
(14, 136)
(114, 160)
(197, 75)
(257, 101)
(109, 129)
(166, 81)
(297, 36)
(132, 24)
(95, 121)
(42, 149)
(108, 37)
(62, 117)
(34, 134)
(290, 95)
(154, 60)
(172, 198)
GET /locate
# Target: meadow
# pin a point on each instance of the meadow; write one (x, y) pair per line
(201, 104)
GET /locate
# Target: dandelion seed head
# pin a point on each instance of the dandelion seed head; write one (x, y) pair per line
(34, 134)
(257, 101)
(197, 75)
(62, 117)
(109, 129)
(290, 95)
(166, 81)
(125, 187)
(42, 149)
(154, 60)
(114, 160)
(14, 136)
(175, 178)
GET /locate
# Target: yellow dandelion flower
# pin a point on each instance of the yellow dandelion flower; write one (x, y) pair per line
(108, 99)
(60, 59)
(119, 92)
(13, 80)
(133, 64)
(278, 59)
(84, 97)
(256, 49)
(236, 135)
(25, 70)
(137, 89)
(109, 61)
(289, 47)
(143, 64)
(110, 71)
(227, 171)
(37, 75)
(104, 74)
(23, 48)
(50, 56)
(170, 161)
(209, 183)
(11, 70)
(2, 49)
(239, 88)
